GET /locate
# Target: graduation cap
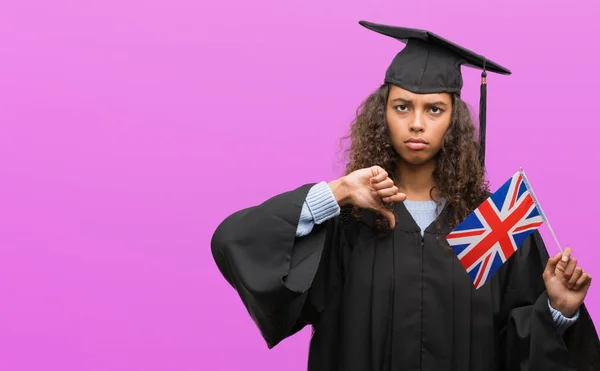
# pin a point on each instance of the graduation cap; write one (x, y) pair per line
(431, 64)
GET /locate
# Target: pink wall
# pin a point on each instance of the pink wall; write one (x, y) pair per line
(130, 129)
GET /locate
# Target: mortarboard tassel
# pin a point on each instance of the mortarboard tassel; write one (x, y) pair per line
(482, 114)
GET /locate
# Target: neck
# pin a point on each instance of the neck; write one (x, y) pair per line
(415, 181)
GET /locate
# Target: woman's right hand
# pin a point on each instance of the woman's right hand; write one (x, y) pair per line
(368, 188)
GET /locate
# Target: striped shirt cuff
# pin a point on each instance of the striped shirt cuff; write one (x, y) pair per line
(562, 322)
(321, 203)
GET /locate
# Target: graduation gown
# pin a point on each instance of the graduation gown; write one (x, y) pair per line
(394, 302)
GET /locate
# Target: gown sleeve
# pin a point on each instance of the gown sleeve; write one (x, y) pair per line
(528, 337)
(273, 271)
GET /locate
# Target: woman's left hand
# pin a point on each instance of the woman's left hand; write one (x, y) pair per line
(566, 283)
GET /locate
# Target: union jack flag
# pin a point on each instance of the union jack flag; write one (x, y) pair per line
(496, 229)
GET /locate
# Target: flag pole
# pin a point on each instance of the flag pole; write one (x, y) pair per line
(539, 206)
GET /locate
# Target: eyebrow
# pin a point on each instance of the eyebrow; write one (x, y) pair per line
(408, 101)
(438, 103)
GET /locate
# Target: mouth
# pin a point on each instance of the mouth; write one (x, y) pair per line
(416, 143)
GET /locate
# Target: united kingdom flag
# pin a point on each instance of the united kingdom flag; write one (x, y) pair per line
(496, 229)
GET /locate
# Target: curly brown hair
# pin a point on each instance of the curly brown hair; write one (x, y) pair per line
(459, 176)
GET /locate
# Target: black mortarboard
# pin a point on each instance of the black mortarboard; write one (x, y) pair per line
(431, 64)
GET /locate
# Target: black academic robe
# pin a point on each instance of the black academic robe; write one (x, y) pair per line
(394, 302)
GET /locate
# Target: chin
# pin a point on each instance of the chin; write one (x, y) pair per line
(415, 158)
(419, 161)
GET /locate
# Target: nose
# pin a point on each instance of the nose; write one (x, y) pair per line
(417, 124)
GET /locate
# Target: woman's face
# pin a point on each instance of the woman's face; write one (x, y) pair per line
(417, 123)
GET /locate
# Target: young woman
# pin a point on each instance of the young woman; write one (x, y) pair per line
(363, 259)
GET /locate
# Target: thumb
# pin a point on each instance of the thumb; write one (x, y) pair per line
(388, 215)
(549, 272)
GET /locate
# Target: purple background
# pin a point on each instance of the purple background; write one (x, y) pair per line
(130, 129)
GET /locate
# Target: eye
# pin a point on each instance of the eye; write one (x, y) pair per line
(436, 110)
(401, 108)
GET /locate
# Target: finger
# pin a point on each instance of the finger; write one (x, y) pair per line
(399, 197)
(575, 277)
(566, 255)
(387, 192)
(570, 269)
(583, 281)
(385, 183)
(551, 266)
(378, 174)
